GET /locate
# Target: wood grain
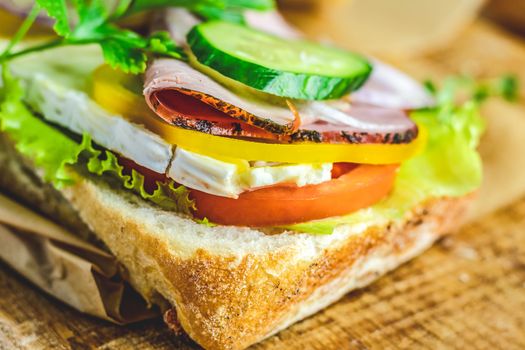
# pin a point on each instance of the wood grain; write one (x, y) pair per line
(468, 291)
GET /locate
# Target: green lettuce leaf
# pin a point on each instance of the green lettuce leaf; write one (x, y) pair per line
(53, 153)
(450, 166)
(48, 148)
(167, 195)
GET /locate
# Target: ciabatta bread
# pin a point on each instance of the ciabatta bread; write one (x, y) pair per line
(232, 287)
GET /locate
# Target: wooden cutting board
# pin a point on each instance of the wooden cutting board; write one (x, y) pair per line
(468, 291)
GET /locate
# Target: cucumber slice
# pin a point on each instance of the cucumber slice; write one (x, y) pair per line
(287, 68)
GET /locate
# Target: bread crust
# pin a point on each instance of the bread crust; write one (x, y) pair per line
(231, 302)
(231, 293)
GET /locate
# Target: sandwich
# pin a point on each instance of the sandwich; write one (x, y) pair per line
(245, 177)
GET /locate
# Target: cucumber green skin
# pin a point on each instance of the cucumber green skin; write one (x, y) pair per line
(285, 84)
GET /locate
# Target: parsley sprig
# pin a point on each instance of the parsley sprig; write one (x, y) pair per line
(81, 22)
(217, 5)
(122, 48)
(227, 10)
(95, 23)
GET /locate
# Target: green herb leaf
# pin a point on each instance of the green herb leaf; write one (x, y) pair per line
(211, 5)
(508, 87)
(128, 51)
(261, 5)
(58, 10)
(160, 43)
(464, 88)
(21, 32)
(226, 10)
(430, 86)
(122, 48)
(214, 13)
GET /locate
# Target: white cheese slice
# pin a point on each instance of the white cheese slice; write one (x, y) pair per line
(75, 111)
(229, 180)
(299, 174)
(205, 174)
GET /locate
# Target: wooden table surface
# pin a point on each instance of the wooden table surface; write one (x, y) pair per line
(468, 291)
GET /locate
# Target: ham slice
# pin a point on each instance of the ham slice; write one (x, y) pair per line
(171, 74)
(245, 114)
(391, 88)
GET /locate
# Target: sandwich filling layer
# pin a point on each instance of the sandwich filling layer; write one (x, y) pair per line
(228, 149)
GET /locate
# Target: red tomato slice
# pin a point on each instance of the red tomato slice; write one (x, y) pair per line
(284, 205)
(339, 169)
(352, 187)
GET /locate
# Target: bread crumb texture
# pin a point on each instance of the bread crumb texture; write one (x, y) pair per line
(232, 287)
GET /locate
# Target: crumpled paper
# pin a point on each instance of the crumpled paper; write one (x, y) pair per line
(66, 267)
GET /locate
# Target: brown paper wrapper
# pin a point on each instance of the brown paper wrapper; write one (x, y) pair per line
(80, 274)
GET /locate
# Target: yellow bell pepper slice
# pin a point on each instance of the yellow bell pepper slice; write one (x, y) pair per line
(120, 93)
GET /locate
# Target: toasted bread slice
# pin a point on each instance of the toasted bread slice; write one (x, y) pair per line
(232, 287)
